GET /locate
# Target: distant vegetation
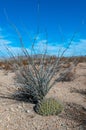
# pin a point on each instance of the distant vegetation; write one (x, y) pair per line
(7, 64)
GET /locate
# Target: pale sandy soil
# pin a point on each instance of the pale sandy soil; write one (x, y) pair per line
(16, 115)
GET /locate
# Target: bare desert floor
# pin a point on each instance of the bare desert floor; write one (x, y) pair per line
(19, 115)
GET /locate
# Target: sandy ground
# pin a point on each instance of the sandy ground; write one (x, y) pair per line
(19, 115)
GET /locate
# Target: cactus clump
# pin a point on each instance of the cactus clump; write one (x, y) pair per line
(48, 107)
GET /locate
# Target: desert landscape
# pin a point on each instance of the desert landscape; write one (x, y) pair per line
(19, 114)
(42, 64)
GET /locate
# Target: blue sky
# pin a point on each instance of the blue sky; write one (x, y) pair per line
(57, 21)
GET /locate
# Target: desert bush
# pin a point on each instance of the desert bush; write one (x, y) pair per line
(35, 81)
(38, 73)
(48, 107)
(69, 76)
(35, 76)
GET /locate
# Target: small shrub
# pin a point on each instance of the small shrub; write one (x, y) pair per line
(48, 107)
(69, 76)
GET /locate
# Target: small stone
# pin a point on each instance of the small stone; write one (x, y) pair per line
(19, 107)
(27, 111)
(8, 118)
(11, 109)
(30, 113)
(63, 127)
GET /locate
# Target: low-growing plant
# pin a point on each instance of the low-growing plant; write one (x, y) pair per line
(48, 107)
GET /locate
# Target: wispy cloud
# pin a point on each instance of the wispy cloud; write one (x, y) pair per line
(4, 41)
(43, 45)
(6, 46)
(75, 49)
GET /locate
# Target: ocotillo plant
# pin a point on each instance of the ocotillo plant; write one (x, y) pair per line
(35, 80)
(38, 76)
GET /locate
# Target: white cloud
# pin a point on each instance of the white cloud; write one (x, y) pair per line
(5, 46)
(4, 41)
(75, 49)
(42, 45)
